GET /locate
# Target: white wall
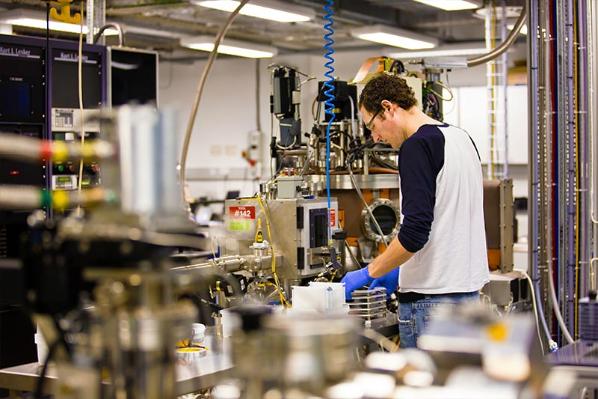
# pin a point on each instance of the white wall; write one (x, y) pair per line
(227, 113)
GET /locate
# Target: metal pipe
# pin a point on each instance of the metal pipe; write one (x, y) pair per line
(592, 16)
(570, 186)
(562, 129)
(90, 20)
(504, 86)
(545, 143)
(28, 149)
(566, 172)
(593, 80)
(482, 59)
(584, 165)
(95, 17)
(534, 94)
(119, 29)
(231, 263)
(298, 152)
(489, 33)
(549, 154)
(536, 135)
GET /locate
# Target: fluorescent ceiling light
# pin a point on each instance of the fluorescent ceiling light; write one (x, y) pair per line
(451, 5)
(265, 9)
(449, 50)
(37, 20)
(394, 37)
(230, 47)
(523, 29)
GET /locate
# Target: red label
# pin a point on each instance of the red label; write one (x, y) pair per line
(241, 212)
(332, 217)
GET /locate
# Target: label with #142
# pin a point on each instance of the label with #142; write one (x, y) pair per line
(241, 212)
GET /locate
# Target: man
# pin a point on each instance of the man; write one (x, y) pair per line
(441, 245)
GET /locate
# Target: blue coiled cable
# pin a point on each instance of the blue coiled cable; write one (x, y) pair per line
(329, 88)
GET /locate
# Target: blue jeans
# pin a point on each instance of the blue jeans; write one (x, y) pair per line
(414, 316)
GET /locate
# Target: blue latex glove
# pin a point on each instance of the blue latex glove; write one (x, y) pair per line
(355, 280)
(390, 281)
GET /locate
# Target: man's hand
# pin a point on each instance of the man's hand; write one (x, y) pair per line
(356, 279)
(390, 281)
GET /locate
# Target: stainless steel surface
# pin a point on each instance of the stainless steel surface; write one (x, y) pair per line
(499, 288)
(369, 304)
(25, 376)
(371, 232)
(286, 237)
(232, 263)
(190, 377)
(136, 324)
(370, 182)
(305, 353)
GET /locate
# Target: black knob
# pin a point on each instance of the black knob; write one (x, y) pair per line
(592, 294)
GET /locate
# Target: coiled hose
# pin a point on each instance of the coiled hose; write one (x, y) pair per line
(329, 89)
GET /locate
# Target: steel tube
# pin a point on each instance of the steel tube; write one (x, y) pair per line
(503, 46)
(592, 16)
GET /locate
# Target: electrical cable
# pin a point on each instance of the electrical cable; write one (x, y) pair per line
(551, 344)
(440, 97)
(80, 93)
(593, 216)
(119, 30)
(200, 88)
(329, 92)
(592, 273)
(353, 126)
(280, 147)
(367, 207)
(555, 305)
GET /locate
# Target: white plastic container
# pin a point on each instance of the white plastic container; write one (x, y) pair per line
(328, 298)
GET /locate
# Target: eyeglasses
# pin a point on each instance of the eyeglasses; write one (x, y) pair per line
(369, 124)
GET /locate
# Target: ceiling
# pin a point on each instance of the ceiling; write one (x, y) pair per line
(158, 24)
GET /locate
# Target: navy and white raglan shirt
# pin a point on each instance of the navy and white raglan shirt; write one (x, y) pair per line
(442, 212)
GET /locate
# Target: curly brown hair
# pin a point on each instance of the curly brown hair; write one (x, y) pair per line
(386, 87)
